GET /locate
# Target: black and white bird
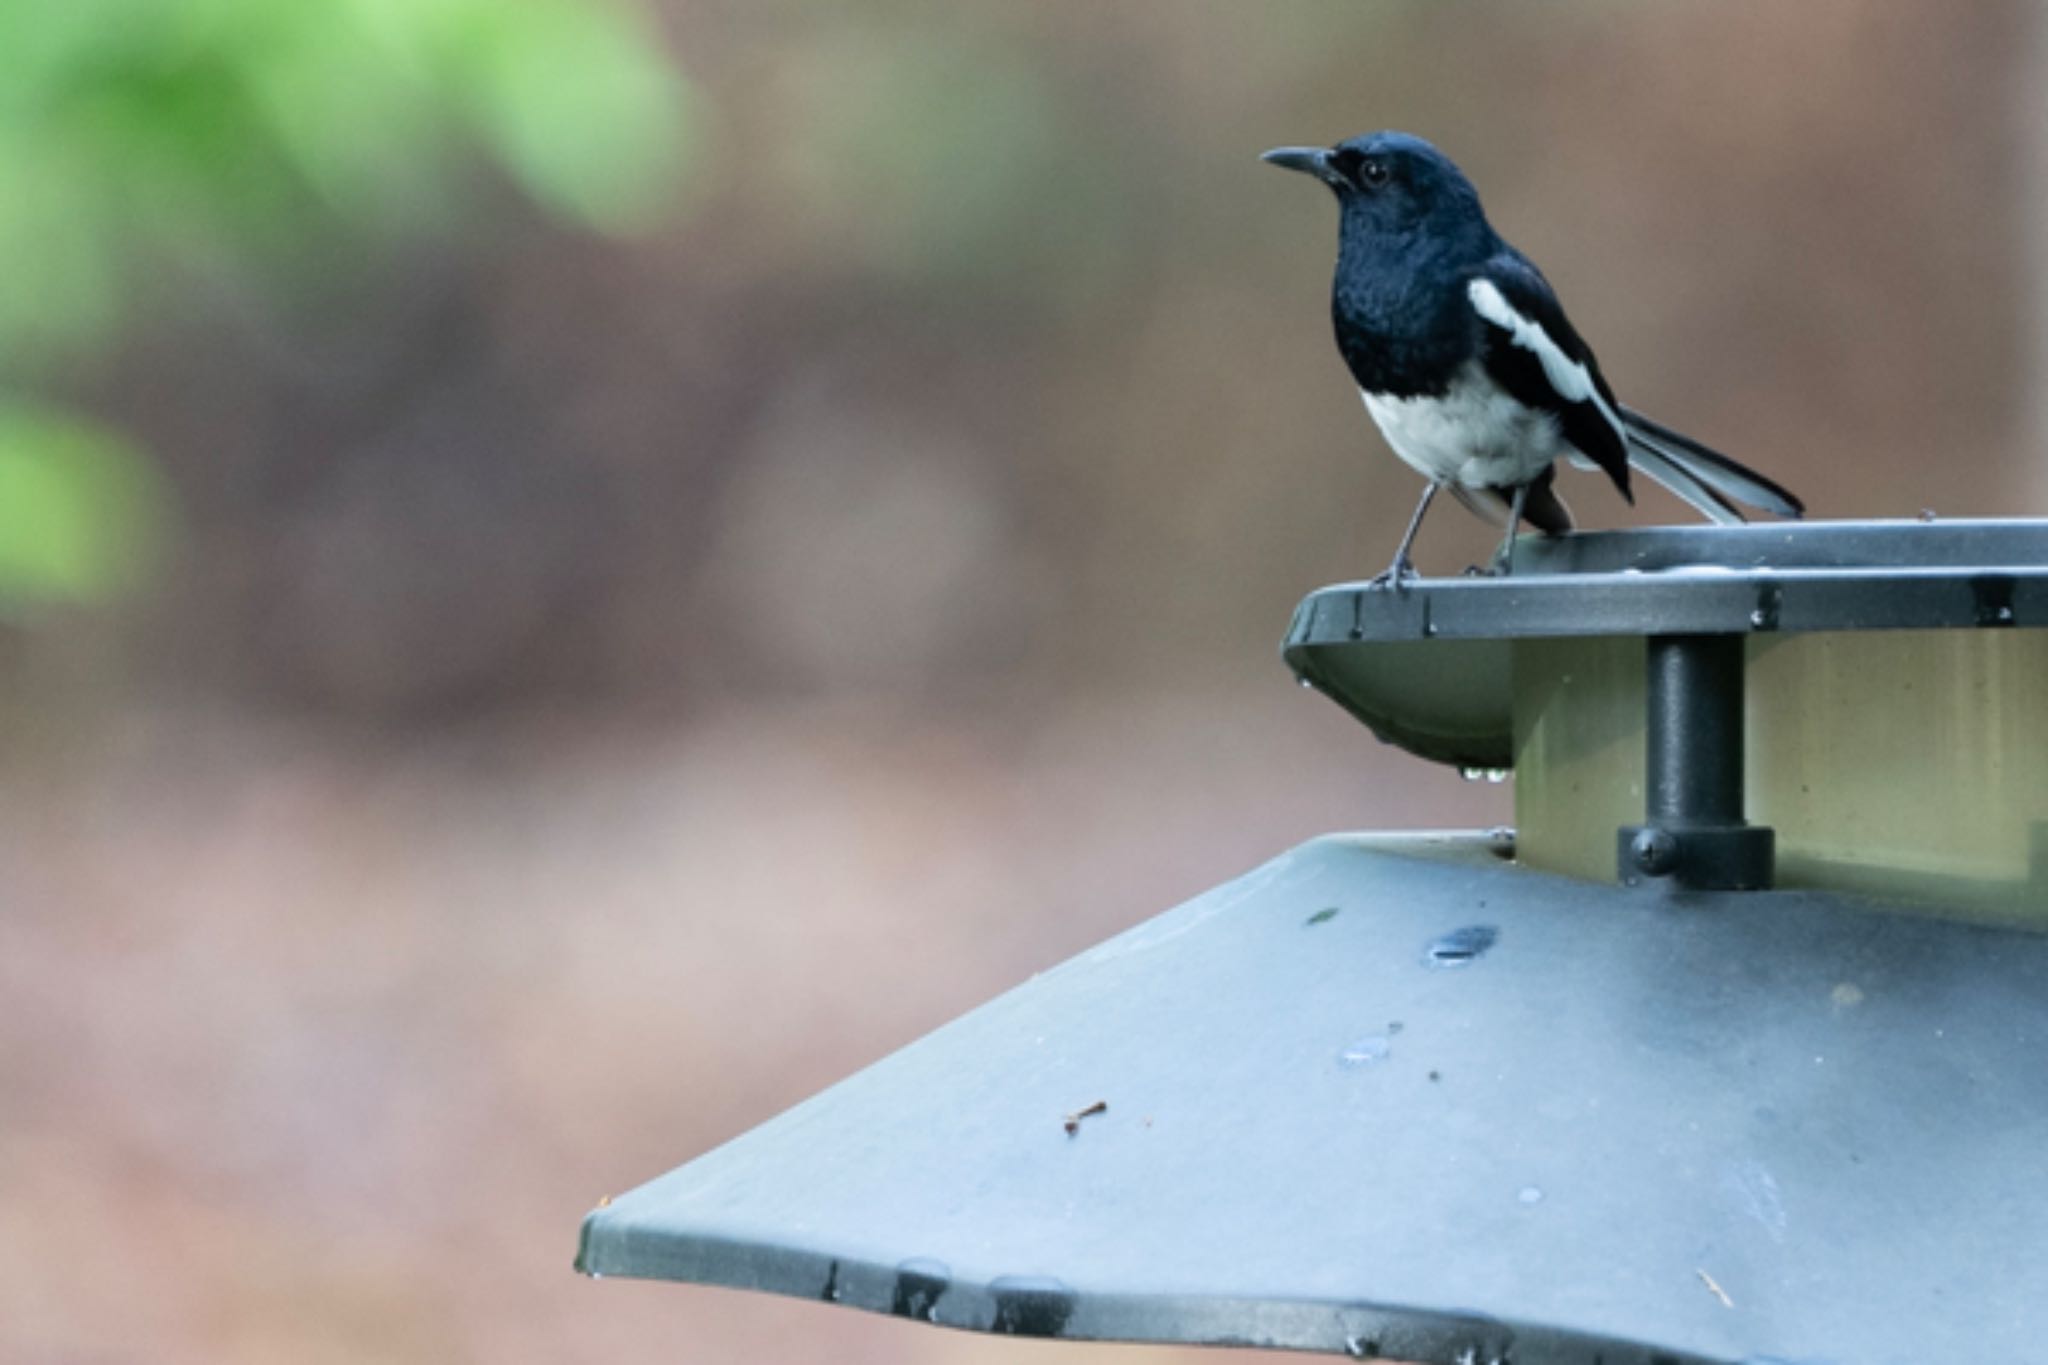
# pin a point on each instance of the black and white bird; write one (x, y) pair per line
(1467, 362)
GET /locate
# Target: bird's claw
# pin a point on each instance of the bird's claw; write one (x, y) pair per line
(1397, 575)
(1502, 565)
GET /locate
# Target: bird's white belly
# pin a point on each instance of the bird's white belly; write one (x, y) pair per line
(1475, 434)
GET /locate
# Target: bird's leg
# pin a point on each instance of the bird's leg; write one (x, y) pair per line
(1404, 567)
(1504, 557)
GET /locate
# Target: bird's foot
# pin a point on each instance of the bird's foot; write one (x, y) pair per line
(1397, 575)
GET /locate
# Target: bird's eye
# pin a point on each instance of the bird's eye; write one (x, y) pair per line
(1373, 173)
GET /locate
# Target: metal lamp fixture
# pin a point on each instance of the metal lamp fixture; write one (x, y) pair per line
(1730, 1052)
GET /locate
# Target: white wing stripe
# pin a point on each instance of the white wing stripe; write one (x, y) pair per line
(1573, 382)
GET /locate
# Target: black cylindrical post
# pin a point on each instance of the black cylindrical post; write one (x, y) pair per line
(1693, 830)
(1695, 730)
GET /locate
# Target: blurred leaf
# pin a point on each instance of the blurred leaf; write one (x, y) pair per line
(132, 128)
(81, 509)
(576, 102)
(133, 131)
(62, 290)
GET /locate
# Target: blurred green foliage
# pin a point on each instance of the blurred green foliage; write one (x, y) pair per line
(79, 512)
(134, 132)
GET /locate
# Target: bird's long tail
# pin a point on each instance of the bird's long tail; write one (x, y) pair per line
(1705, 478)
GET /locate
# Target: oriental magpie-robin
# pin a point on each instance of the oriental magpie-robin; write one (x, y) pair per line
(1467, 362)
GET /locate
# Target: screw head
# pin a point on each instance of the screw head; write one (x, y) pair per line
(1655, 852)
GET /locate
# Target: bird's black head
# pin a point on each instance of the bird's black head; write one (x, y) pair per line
(1390, 184)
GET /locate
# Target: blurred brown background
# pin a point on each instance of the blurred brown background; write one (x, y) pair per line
(599, 687)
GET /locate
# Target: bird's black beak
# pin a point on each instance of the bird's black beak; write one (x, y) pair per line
(1314, 161)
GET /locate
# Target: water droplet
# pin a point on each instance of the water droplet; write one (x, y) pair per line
(1471, 774)
(1361, 1348)
(1372, 1048)
(1304, 682)
(1530, 1195)
(1460, 947)
(1496, 775)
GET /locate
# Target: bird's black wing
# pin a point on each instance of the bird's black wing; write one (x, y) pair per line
(1529, 347)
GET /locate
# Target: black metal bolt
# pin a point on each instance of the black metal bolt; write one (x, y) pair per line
(1655, 852)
